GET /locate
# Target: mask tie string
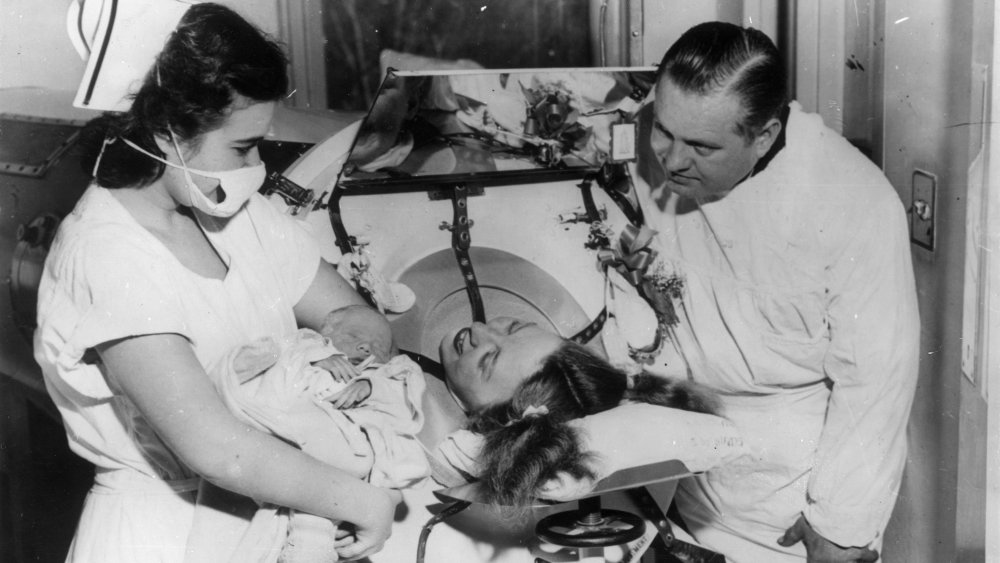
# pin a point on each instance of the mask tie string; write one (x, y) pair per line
(97, 163)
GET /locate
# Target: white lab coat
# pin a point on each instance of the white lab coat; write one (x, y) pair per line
(799, 306)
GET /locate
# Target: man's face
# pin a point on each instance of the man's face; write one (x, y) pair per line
(694, 137)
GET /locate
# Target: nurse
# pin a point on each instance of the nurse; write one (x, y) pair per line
(799, 304)
(169, 260)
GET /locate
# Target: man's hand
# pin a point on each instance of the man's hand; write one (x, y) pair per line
(821, 550)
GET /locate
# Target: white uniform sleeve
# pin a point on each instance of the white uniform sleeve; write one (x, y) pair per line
(872, 361)
(119, 291)
(96, 289)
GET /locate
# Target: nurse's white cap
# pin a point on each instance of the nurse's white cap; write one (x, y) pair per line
(120, 40)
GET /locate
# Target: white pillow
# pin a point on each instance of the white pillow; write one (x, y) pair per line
(630, 435)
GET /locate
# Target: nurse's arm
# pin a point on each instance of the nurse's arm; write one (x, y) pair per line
(872, 361)
(167, 383)
(328, 291)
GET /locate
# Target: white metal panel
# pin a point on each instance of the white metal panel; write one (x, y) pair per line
(759, 14)
(665, 20)
(991, 311)
(300, 27)
(820, 59)
(929, 53)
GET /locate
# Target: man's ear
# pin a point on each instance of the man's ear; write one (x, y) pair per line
(767, 136)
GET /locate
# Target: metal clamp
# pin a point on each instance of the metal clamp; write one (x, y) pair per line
(294, 195)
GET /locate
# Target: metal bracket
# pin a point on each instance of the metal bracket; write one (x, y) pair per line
(294, 195)
(438, 194)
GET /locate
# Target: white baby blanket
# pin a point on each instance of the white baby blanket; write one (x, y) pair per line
(273, 386)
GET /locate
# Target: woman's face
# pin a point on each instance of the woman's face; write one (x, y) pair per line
(484, 363)
(229, 147)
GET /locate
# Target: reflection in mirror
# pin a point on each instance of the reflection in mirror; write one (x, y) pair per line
(434, 126)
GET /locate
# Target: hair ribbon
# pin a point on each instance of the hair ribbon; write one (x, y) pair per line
(531, 411)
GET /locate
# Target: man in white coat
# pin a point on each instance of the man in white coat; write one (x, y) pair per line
(798, 304)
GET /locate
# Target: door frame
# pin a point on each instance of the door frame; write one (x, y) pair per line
(990, 327)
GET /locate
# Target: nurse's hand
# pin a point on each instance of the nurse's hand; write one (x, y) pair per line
(821, 550)
(369, 530)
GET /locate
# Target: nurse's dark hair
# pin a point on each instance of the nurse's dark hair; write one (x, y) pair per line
(523, 448)
(213, 56)
(716, 57)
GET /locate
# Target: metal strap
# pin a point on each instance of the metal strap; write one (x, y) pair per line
(426, 364)
(590, 331)
(461, 241)
(673, 550)
(593, 215)
(610, 177)
(345, 242)
(588, 200)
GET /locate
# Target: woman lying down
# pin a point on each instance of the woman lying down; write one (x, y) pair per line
(525, 390)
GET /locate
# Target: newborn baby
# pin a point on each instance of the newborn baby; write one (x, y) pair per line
(359, 332)
(364, 337)
(344, 396)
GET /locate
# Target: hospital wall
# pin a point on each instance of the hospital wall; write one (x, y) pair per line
(929, 48)
(35, 49)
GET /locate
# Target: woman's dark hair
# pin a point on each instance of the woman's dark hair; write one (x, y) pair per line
(723, 57)
(213, 56)
(521, 452)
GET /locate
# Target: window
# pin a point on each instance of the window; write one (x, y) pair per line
(490, 33)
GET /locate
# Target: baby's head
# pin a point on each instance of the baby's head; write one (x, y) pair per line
(359, 331)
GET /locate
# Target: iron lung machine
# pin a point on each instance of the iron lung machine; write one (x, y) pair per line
(40, 181)
(466, 195)
(481, 192)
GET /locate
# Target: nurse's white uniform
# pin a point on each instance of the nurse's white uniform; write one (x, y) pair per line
(107, 278)
(799, 305)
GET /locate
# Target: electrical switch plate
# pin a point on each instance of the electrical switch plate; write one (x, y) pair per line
(923, 209)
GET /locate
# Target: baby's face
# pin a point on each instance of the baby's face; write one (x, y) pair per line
(359, 332)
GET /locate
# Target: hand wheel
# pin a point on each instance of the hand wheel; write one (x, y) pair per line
(578, 528)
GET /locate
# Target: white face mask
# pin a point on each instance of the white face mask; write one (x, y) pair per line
(237, 185)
